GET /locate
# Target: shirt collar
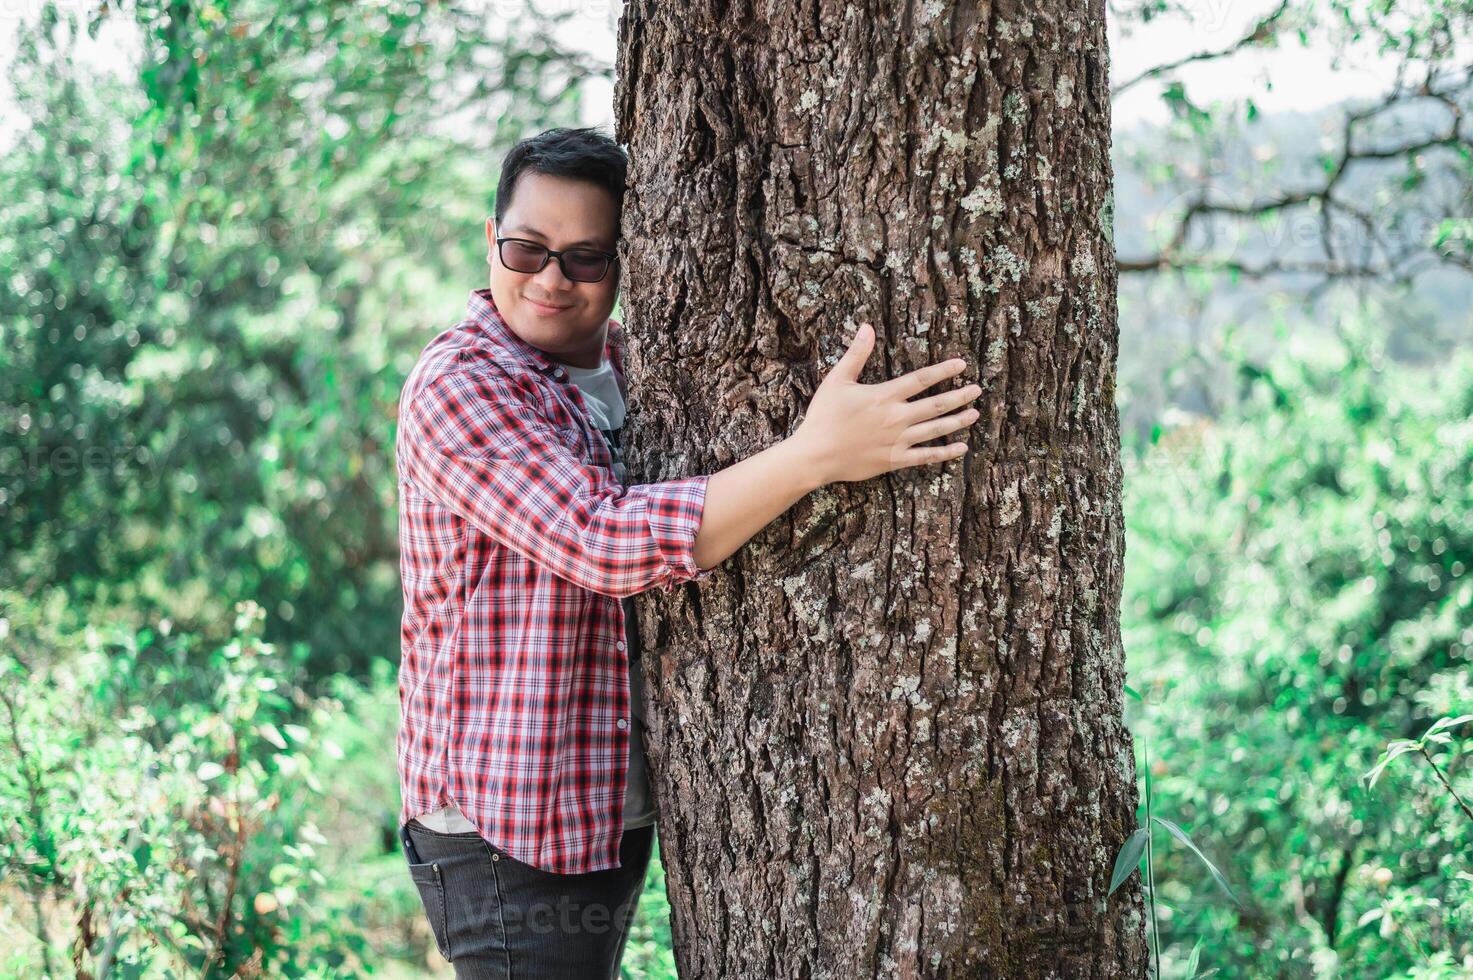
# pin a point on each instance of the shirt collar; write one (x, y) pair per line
(482, 312)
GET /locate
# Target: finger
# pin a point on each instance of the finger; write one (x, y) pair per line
(929, 408)
(859, 351)
(922, 378)
(932, 454)
(939, 427)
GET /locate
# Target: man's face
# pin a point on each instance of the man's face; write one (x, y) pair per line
(564, 318)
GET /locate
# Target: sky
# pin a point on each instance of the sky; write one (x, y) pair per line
(1307, 78)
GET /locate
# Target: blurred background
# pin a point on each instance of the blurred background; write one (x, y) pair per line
(227, 230)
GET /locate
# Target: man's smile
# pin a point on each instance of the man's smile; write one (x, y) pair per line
(545, 308)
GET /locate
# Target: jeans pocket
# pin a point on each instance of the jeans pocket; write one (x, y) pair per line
(431, 884)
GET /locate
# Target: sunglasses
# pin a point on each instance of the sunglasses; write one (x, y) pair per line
(578, 264)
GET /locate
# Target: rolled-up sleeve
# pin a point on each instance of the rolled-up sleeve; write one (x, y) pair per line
(476, 443)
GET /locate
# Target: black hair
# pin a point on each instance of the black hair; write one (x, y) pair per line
(583, 154)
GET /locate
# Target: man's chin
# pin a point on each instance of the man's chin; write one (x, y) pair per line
(549, 342)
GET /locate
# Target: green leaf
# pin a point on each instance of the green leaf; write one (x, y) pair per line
(1186, 839)
(272, 734)
(141, 855)
(1443, 723)
(1146, 753)
(1399, 747)
(1129, 858)
(1194, 959)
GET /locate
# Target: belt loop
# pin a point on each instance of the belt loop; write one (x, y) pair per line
(409, 848)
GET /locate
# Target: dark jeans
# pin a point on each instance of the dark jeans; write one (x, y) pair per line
(495, 917)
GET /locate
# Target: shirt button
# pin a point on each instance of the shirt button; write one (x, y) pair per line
(559, 374)
(621, 723)
(619, 645)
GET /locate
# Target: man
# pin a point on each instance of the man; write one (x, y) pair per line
(527, 819)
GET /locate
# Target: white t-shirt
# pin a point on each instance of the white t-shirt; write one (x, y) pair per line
(600, 389)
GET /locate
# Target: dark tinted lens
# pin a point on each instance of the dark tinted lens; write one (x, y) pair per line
(522, 256)
(584, 266)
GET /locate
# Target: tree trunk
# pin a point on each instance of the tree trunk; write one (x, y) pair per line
(887, 736)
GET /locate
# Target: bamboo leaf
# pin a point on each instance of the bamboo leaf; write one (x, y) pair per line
(1186, 839)
(1128, 858)
(1443, 723)
(1194, 959)
(1399, 747)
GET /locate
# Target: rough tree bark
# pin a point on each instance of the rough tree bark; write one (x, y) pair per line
(887, 735)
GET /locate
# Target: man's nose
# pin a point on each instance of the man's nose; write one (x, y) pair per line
(551, 277)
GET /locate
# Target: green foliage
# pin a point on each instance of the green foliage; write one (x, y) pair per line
(1297, 597)
(648, 954)
(1438, 734)
(157, 800)
(219, 272)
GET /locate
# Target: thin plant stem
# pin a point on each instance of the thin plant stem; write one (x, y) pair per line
(1442, 778)
(1151, 894)
(1151, 872)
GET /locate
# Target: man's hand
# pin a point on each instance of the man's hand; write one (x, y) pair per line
(853, 431)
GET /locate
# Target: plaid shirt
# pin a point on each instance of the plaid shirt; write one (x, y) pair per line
(517, 543)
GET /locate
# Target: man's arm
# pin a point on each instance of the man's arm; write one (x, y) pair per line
(747, 496)
(474, 442)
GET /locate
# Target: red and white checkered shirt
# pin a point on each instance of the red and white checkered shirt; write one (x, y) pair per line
(517, 543)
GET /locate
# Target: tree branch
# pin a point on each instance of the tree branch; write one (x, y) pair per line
(1261, 33)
